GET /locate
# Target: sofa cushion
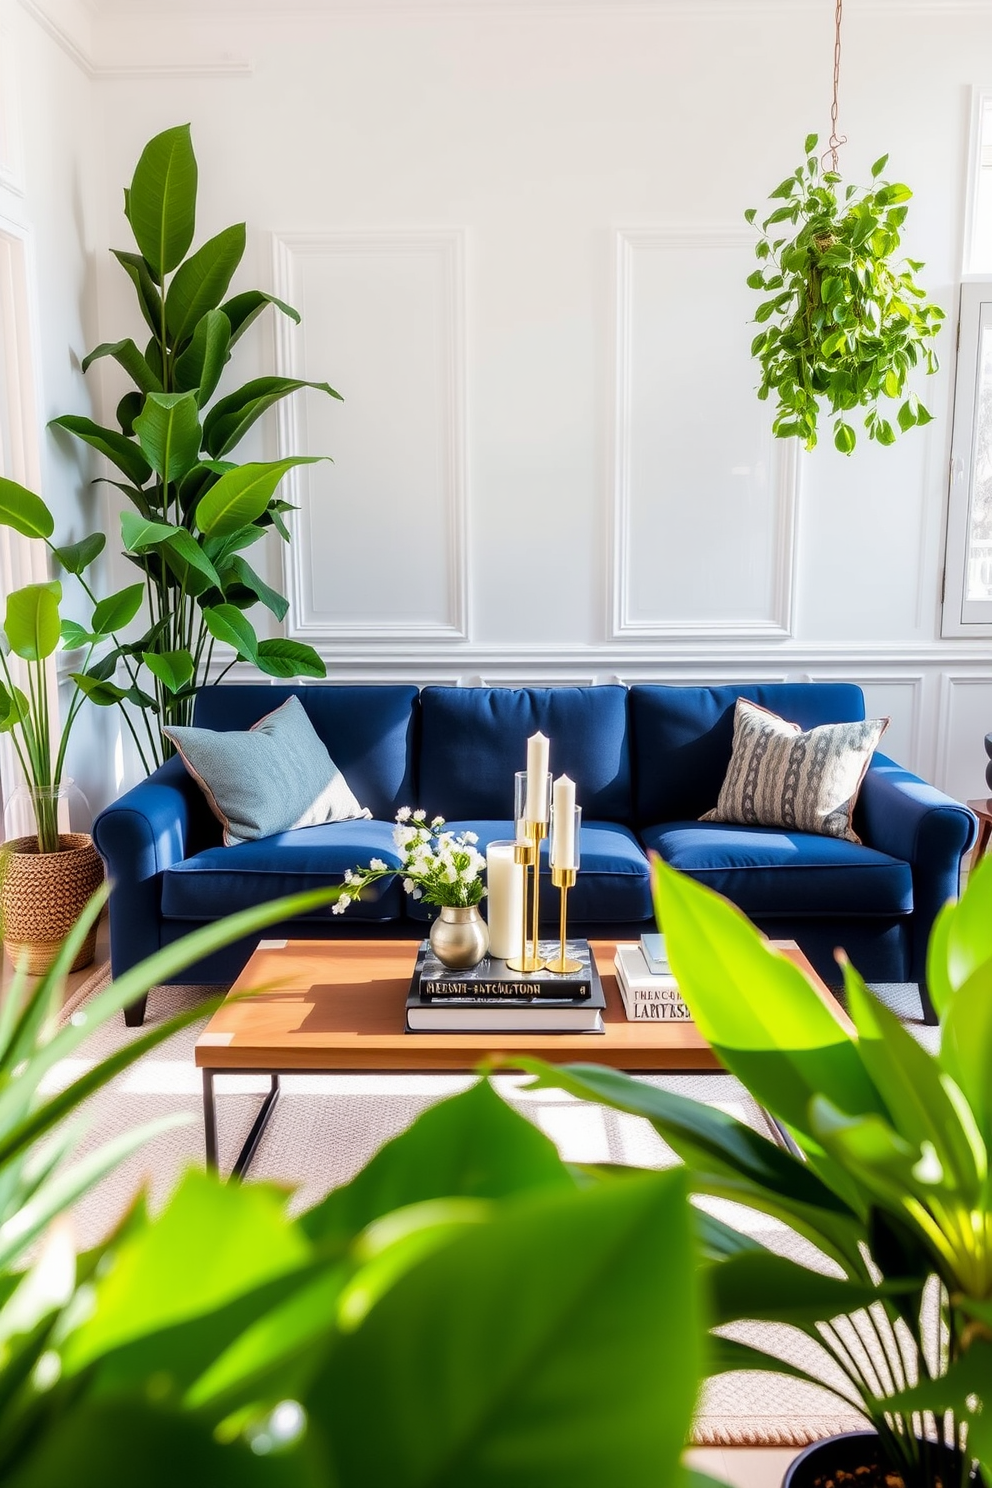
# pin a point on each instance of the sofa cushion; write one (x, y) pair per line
(474, 739)
(613, 883)
(270, 778)
(681, 737)
(220, 880)
(368, 731)
(805, 781)
(769, 872)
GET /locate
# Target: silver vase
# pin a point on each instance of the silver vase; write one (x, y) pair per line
(459, 937)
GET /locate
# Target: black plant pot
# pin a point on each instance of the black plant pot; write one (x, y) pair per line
(988, 767)
(859, 1449)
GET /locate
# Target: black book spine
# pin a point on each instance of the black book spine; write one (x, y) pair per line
(448, 989)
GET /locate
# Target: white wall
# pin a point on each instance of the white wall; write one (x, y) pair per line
(515, 233)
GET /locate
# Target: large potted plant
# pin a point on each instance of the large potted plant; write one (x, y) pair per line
(885, 1169)
(467, 1310)
(192, 510)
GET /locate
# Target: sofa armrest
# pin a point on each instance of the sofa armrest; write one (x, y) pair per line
(900, 814)
(139, 836)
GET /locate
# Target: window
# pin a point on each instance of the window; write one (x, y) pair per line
(968, 572)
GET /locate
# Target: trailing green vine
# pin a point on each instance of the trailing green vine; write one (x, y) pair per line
(845, 324)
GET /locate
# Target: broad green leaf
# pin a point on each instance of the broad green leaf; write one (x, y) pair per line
(32, 624)
(99, 691)
(763, 1019)
(879, 165)
(966, 1045)
(435, 1389)
(844, 437)
(760, 1286)
(242, 495)
(906, 416)
(14, 709)
(228, 625)
(809, 145)
(75, 635)
(24, 511)
(246, 576)
(130, 358)
(172, 668)
(165, 1275)
(188, 561)
(473, 1145)
(120, 451)
(908, 1079)
(117, 610)
(230, 419)
(168, 431)
(242, 310)
(890, 196)
(220, 549)
(138, 533)
(201, 283)
(726, 1157)
(127, 411)
(149, 299)
(161, 204)
(199, 368)
(279, 658)
(75, 557)
(121, 1441)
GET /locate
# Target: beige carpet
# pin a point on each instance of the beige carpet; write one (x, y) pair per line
(326, 1128)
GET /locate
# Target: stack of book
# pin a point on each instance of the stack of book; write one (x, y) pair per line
(650, 993)
(490, 998)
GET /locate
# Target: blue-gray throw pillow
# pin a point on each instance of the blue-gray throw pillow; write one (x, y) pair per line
(276, 776)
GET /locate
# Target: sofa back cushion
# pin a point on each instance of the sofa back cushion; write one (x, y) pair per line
(474, 739)
(681, 737)
(368, 731)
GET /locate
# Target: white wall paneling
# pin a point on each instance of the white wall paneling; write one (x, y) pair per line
(704, 498)
(380, 549)
(965, 717)
(11, 152)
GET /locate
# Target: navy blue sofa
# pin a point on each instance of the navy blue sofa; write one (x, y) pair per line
(647, 761)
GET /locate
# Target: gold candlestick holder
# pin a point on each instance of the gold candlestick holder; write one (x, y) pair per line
(563, 880)
(527, 851)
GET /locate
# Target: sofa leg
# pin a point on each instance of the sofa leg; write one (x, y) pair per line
(134, 1013)
(929, 1013)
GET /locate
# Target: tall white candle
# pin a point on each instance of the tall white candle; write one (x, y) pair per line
(537, 775)
(563, 823)
(505, 902)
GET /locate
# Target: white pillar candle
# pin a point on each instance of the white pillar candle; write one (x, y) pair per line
(563, 823)
(505, 901)
(537, 775)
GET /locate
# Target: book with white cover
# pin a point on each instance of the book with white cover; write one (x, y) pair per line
(647, 996)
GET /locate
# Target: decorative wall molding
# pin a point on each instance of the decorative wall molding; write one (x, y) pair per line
(782, 460)
(11, 147)
(88, 58)
(449, 576)
(951, 683)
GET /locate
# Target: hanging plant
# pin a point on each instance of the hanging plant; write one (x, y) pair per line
(847, 322)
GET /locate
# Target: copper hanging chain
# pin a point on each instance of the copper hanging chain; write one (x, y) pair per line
(836, 140)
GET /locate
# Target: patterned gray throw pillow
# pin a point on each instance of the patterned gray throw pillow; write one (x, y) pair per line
(779, 776)
(276, 776)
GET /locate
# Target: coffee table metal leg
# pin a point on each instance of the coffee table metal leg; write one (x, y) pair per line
(210, 1120)
(255, 1135)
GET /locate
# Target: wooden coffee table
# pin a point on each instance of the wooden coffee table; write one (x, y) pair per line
(339, 1006)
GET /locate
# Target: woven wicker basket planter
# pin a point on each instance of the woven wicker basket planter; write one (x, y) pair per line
(42, 896)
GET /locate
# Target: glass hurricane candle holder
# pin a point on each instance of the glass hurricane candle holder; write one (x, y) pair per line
(527, 851)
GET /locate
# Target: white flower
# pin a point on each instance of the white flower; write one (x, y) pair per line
(349, 876)
(408, 886)
(420, 815)
(403, 814)
(437, 822)
(344, 901)
(403, 836)
(470, 837)
(418, 893)
(377, 865)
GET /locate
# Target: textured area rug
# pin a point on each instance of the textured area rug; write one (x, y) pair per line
(326, 1127)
